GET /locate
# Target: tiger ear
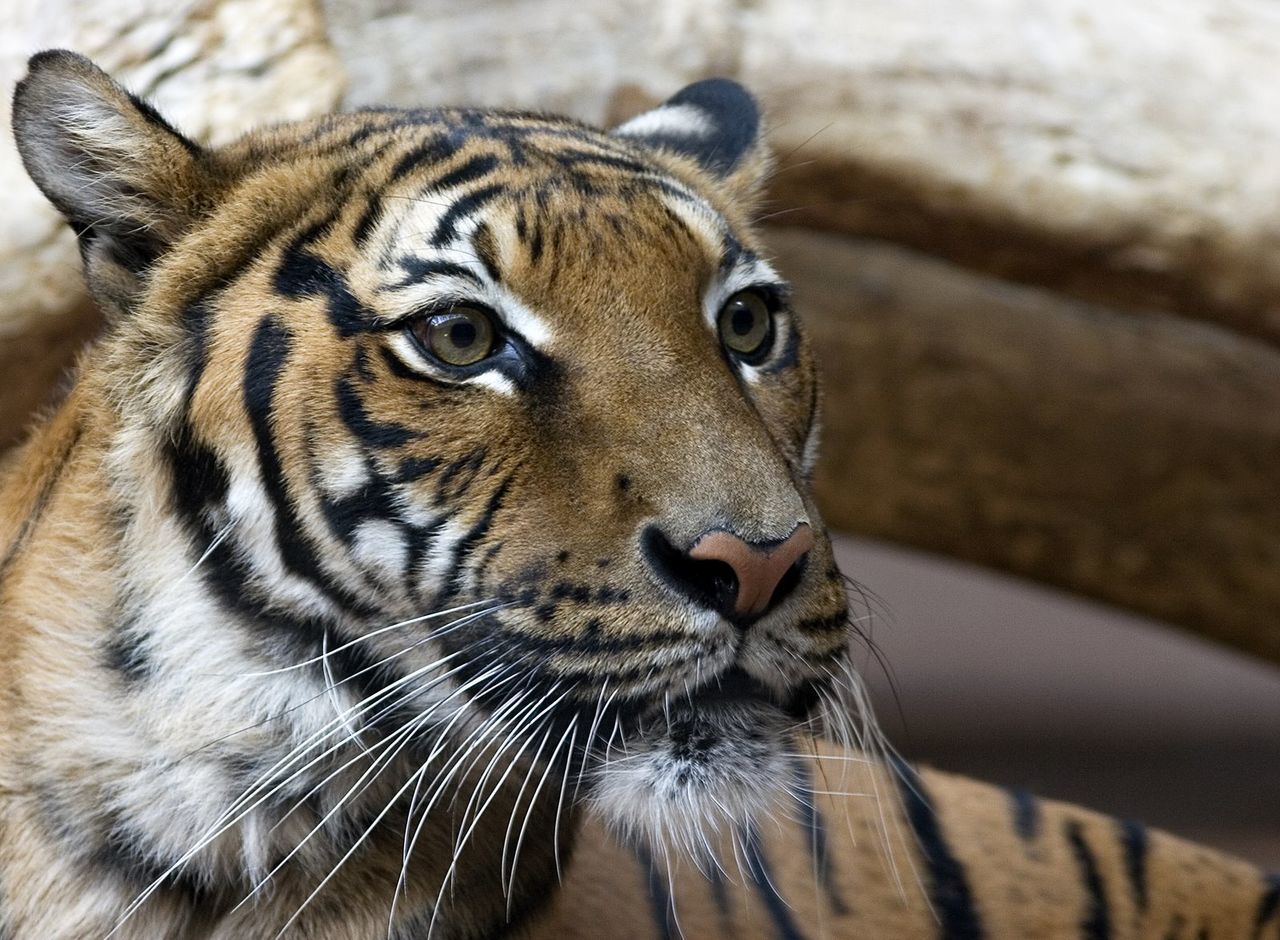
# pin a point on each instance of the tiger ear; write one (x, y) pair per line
(127, 182)
(715, 122)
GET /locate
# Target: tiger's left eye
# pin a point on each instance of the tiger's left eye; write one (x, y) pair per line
(746, 323)
(460, 336)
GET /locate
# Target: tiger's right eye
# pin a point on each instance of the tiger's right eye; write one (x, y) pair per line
(460, 336)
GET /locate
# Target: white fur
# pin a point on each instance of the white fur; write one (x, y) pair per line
(343, 470)
(680, 808)
(379, 546)
(674, 120)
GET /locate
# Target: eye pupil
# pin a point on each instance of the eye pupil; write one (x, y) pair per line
(742, 321)
(462, 334)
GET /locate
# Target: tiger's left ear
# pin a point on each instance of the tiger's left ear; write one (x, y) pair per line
(715, 122)
(124, 178)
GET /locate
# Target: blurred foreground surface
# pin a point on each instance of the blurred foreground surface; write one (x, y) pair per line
(1025, 686)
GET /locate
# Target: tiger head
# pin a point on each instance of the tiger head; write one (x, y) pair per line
(501, 423)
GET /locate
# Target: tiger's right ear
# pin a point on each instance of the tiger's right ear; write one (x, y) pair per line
(125, 179)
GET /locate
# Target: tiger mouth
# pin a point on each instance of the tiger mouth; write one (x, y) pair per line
(735, 687)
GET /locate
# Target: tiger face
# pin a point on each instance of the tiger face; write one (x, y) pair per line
(500, 424)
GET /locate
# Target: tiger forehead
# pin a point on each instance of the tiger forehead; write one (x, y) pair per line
(550, 215)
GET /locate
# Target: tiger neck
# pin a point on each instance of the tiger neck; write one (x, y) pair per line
(178, 717)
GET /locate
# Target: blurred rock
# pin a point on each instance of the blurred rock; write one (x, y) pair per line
(1127, 458)
(214, 68)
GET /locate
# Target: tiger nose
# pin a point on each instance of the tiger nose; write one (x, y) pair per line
(741, 580)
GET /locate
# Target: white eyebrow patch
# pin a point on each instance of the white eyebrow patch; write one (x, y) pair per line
(519, 317)
(704, 222)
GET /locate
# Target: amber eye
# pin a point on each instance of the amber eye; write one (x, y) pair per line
(745, 323)
(460, 336)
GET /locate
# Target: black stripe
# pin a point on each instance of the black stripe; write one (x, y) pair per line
(38, 508)
(758, 869)
(93, 835)
(815, 829)
(124, 852)
(420, 269)
(1096, 923)
(660, 907)
(578, 158)
(375, 434)
(420, 539)
(431, 151)
(949, 890)
(196, 319)
(125, 653)
(1026, 814)
(303, 274)
(412, 469)
(473, 201)
(200, 482)
(535, 243)
(834, 623)
(267, 355)
(1133, 836)
(364, 227)
(464, 470)
(469, 170)
(478, 531)
(1268, 904)
(483, 244)
(374, 500)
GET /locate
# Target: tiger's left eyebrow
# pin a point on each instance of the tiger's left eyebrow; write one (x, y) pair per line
(733, 254)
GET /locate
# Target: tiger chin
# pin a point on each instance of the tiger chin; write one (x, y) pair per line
(440, 474)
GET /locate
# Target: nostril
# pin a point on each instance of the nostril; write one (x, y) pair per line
(707, 582)
(740, 580)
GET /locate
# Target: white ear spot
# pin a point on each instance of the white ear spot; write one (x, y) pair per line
(715, 122)
(670, 120)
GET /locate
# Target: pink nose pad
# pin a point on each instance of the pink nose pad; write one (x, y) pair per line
(758, 569)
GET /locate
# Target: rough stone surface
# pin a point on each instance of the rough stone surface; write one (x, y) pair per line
(566, 57)
(1123, 152)
(215, 68)
(1128, 458)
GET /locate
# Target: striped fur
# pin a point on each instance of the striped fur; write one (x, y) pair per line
(310, 633)
(956, 860)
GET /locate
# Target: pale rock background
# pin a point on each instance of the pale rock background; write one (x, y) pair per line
(215, 68)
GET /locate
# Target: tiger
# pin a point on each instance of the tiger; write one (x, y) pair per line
(426, 548)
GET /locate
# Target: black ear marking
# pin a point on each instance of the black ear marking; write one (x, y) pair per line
(716, 122)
